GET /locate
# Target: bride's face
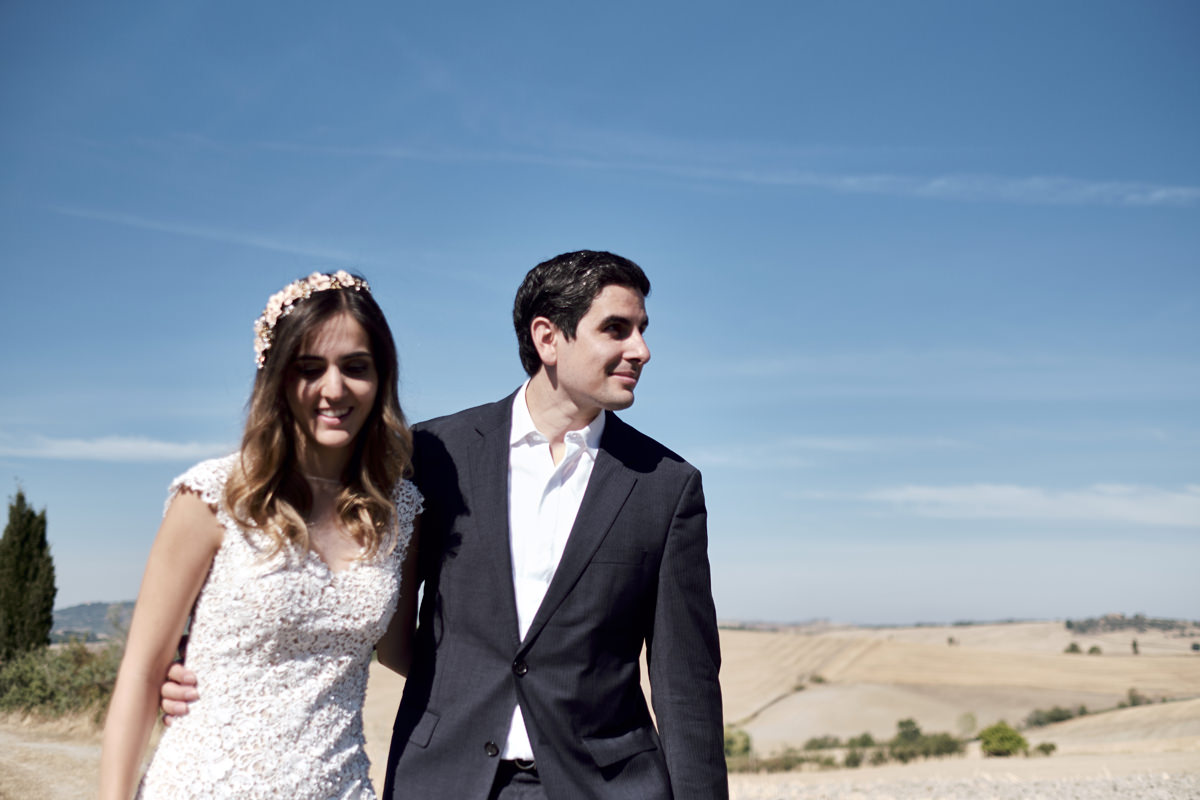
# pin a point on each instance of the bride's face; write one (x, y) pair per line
(331, 389)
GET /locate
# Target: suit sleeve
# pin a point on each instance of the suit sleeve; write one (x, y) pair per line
(684, 656)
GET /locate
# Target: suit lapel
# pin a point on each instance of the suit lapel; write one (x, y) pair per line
(489, 487)
(607, 489)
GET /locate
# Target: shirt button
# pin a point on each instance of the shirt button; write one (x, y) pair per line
(491, 749)
(520, 667)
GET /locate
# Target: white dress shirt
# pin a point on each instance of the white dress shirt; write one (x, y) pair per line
(543, 501)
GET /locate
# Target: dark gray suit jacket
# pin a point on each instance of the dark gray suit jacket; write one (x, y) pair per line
(635, 569)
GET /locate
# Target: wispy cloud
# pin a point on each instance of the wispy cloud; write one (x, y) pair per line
(1034, 189)
(208, 233)
(806, 451)
(958, 373)
(954, 186)
(108, 448)
(1099, 503)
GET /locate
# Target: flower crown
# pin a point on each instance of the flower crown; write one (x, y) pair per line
(283, 301)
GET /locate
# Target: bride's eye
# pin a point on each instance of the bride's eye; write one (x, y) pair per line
(358, 367)
(309, 368)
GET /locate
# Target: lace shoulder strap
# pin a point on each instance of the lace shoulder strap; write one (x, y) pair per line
(206, 479)
(408, 500)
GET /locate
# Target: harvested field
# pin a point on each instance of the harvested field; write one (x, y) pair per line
(867, 679)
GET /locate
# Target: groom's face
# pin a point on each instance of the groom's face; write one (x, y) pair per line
(599, 368)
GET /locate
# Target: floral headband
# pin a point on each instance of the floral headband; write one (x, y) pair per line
(282, 303)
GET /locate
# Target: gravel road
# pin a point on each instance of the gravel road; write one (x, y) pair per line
(1116, 776)
(1142, 787)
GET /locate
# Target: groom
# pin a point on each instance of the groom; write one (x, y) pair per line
(556, 539)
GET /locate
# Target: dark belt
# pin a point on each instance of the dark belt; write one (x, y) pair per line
(520, 765)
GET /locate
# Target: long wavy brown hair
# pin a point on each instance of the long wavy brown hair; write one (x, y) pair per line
(266, 489)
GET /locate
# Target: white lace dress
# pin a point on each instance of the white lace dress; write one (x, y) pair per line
(280, 647)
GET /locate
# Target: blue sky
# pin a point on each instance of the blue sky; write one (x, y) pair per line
(926, 276)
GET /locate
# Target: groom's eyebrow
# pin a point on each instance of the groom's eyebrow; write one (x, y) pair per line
(617, 319)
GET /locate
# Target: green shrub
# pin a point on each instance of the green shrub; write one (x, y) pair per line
(1046, 748)
(51, 682)
(1039, 717)
(1136, 698)
(853, 758)
(817, 679)
(879, 757)
(904, 745)
(1094, 650)
(785, 761)
(1001, 740)
(1073, 647)
(822, 743)
(737, 741)
(907, 730)
(790, 759)
(864, 741)
(939, 744)
(909, 743)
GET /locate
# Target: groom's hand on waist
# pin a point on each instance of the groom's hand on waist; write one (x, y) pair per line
(178, 690)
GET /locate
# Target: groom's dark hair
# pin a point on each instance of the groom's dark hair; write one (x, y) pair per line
(562, 290)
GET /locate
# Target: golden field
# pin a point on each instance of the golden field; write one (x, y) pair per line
(785, 686)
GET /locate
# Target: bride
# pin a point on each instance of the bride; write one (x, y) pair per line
(294, 557)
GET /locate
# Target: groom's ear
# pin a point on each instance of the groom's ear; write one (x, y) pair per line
(546, 338)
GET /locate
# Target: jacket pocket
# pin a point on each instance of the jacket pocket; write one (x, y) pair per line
(422, 732)
(611, 749)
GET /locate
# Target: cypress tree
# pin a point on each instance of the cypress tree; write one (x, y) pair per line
(27, 587)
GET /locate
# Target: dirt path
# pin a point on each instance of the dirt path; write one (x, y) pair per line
(39, 762)
(1164, 776)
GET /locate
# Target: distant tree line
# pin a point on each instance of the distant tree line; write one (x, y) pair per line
(1048, 716)
(908, 744)
(1119, 622)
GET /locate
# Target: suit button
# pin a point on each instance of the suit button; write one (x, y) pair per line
(491, 749)
(520, 667)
